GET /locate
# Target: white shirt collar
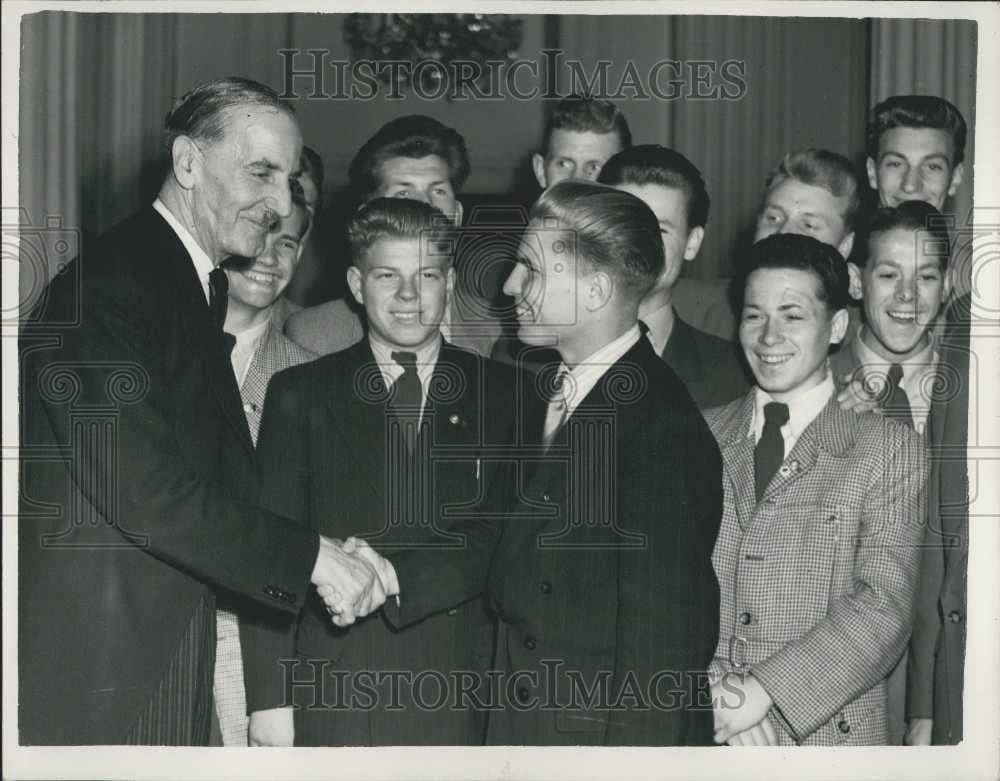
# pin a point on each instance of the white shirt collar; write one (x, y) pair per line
(802, 410)
(426, 360)
(203, 264)
(915, 364)
(247, 343)
(586, 374)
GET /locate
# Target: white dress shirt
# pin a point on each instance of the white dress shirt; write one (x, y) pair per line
(581, 379)
(917, 381)
(247, 342)
(203, 264)
(802, 410)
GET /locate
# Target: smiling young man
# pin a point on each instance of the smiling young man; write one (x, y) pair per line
(670, 185)
(384, 440)
(581, 135)
(903, 283)
(817, 556)
(916, 149)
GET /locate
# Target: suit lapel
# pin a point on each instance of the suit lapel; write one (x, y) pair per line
(356, 397)
(833, 430)
(737, 455)
(680, 353)
(194, 312)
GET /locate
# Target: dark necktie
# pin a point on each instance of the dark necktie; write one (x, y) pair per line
(406, 397)
(554, 422)
(218, 300)
(897, 403)
(770, 450)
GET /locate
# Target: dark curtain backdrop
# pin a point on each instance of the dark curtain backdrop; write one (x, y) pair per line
(95, 87)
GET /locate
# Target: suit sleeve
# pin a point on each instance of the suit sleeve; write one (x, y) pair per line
(115, 360)
(668, 607)
(866, 629)
(268, 641)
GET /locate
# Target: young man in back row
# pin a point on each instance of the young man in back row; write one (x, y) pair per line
(672, 187)
(417, 158)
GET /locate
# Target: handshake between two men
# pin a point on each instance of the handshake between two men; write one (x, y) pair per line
(352, 579)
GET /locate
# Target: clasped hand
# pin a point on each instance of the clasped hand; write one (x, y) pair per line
(349, 578)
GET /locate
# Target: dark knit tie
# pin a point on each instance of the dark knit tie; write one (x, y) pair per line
(218, 301)
(897, 403)
(406, 397)
(770, 450)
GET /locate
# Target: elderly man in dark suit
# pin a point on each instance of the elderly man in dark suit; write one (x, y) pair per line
(598, 562)
(413, 157)
(672, 187)
(339, 456)
(138, 475)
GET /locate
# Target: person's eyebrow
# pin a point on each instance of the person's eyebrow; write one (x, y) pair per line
(264, 163)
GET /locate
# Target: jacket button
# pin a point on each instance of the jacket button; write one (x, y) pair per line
(545, 587)
(453, 611)
(522, 694)
(954, 616)
(843, 726)
(745, 618)
(529, 643)
(545, 497)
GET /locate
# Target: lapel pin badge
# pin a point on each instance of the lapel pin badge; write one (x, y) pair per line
(454, 420)
(785, 470)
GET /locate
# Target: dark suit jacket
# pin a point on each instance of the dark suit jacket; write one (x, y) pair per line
(325, 448)
(600, 569)
(936, 672)
(134, 451)
(709, 366)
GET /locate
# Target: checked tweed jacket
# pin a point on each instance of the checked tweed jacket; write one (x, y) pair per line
(818, 579)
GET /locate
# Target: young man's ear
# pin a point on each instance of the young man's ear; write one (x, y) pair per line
(538, 166)
(184, 159)
(872, 170)
(354, 283)
(695, 237)
(846, 245)
(854, 288)
(956, 178)
(600, 289)
(838, 328)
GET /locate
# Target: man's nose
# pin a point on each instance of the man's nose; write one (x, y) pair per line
(771, 332)
(267, 258)
(407, 288)
(512, 285)
(906, 290)
(911, 181)
(420, 195)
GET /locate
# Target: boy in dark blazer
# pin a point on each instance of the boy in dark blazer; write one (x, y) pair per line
(599, 567)
(385, 439)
